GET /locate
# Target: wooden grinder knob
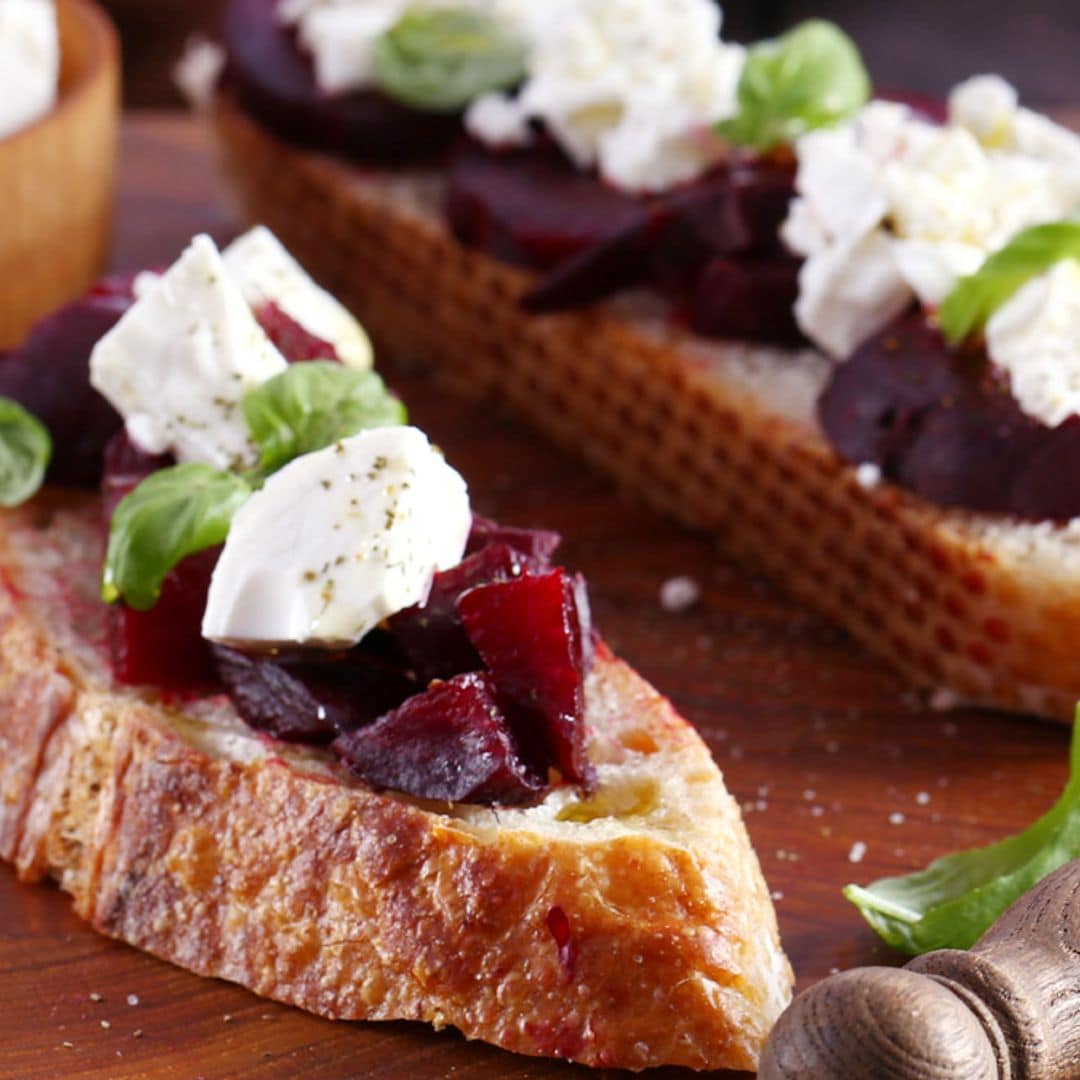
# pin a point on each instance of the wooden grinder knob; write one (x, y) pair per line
(1008, 1009)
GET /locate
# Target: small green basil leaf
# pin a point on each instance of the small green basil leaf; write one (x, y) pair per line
(808, 78)
(976, 297)
(173, 513)
(25, 450)
(312, 405)
(956, 899)
(441, 60)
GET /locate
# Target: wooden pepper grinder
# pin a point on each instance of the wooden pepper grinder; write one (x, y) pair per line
(1009, 1009)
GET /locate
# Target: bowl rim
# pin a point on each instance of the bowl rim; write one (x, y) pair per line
(104, 59)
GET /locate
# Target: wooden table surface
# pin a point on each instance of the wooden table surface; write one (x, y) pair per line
(823, 747)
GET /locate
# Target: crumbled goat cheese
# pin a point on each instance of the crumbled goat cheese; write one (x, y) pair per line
(891, 207)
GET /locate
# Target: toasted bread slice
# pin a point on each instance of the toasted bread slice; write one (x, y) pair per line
(630, 928)
(723, 436)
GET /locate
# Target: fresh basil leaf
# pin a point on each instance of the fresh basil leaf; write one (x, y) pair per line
(312, 405)
(172, 514)
(441, 60)
(956, 899)
(25, 450)
(976, 297)
(808, 78)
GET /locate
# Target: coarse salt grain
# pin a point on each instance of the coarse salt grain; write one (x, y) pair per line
(896, 818)
(858, 850)
(133, 999)
(679, 594)
(923, 798)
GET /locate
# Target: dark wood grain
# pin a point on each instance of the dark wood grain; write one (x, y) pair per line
(824, 748)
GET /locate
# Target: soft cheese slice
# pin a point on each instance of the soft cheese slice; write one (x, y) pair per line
(265, 272)
(337, 541)
(29, 62)
(180, 361)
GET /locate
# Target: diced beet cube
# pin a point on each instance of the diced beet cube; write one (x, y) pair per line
(310, 697)
(291, 339)
(747, 299)
(538, 544)
(530, 635)
(125, 467)
(164, 646)
(450, 742)
(431, 634)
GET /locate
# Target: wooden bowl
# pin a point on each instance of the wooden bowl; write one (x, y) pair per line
(56, 178)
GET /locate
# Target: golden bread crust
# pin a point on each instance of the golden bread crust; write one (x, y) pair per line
(632, 928)
(956, 602)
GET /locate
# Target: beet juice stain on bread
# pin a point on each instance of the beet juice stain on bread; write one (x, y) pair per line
(716, 273)
(278, 707)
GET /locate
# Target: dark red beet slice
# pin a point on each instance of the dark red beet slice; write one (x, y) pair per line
(432, 636)
(529, 632)
(731, 211)
(311, 697)
(531, 206)
(125, 467)
(164, 647)
(943, 424)
(49, 374)
(290, 338)
(450, 742)
(746, 298)
(539, 544)
(272, 79)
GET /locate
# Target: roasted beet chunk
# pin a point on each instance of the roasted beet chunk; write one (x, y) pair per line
(451, 742)
(49, 374)
(125, 467)
(539, 544)
(164, 646)
(943, 423)
(290, 338)
(273, 79)
(530, 634)
(532, 206)
(729, 212)
(310, 697)
(746, 299)
(432, 635)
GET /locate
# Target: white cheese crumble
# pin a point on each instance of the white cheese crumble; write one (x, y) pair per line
(337, 541)
(265, 271)
(29, 62)
(178, 363)
(1035, 337)
(891, 207)
(629, 86)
